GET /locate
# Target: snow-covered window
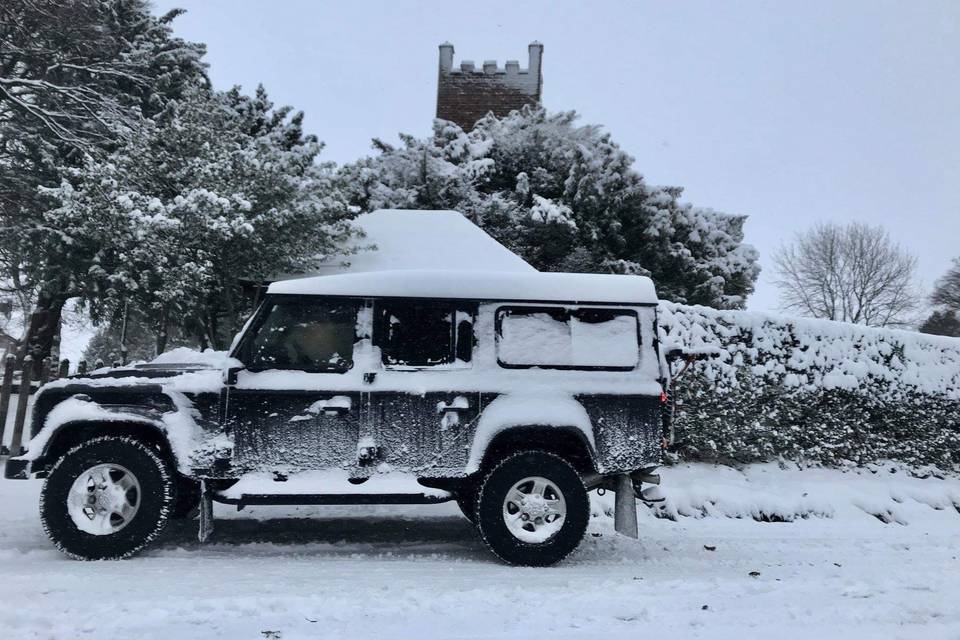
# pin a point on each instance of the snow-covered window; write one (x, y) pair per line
(414, 333)
(308, 335)
(565, 338)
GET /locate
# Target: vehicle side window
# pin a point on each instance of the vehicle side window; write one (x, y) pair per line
(422, 334)
(567, 338)
(313, 335)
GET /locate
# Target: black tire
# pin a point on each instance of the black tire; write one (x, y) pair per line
(490, 506)
(156, 498)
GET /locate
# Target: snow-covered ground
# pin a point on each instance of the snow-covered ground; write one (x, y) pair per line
(421, 572)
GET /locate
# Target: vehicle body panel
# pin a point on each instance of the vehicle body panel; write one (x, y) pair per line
(434, 421)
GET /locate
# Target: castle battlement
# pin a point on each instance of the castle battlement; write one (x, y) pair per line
(467, 93)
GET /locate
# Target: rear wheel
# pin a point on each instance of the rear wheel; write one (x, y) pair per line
(107, 498)
(533, 509)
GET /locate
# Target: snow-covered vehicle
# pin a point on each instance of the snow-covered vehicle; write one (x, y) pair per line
(512, 393)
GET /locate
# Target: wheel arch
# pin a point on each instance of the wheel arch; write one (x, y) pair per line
(553, 422)
(71, 434)
(568, 442)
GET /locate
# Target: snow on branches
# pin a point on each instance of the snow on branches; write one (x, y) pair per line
(814, 390)
(566, 198)
(219, 190)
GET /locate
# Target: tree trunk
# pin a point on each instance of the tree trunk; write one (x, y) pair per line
(43, 327)
(162, 326)
(213, 330)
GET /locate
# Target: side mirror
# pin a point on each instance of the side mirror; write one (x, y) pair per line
(230, 375)
(674, 354)
(679, 353)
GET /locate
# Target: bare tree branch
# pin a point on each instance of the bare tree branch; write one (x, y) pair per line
(852, 273)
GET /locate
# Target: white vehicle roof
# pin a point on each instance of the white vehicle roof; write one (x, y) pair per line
(478, 285)
(413, 239)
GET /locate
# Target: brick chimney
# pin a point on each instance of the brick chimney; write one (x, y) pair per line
(467, 93)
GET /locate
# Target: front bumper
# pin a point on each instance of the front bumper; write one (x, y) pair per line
(16, 469)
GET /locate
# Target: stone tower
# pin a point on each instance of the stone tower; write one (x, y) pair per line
(466, 94)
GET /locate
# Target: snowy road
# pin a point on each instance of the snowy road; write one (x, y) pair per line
(423, 573)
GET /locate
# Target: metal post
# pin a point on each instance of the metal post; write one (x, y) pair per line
(8, 367)
(206, 513)
(625, 508)
(22, 400)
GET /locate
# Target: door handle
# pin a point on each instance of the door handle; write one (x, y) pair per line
(457, 405)
(337, 405)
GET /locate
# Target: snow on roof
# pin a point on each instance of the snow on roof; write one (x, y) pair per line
(410, 239)
(479, 285)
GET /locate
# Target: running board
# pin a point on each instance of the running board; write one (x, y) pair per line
(331, 499)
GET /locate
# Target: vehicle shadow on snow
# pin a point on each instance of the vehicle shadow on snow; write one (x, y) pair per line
(338, 536)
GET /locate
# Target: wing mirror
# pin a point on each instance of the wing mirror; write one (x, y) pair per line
(693, 355)
(230, 375)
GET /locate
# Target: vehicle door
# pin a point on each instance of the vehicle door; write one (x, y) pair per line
(297, 403)
(423, 406)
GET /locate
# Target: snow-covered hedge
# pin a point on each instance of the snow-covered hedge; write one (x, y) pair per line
(814, 391)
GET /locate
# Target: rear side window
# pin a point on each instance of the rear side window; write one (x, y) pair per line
(565, 338)
(414, 333)
(304, 335)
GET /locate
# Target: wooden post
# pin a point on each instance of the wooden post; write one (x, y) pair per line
(44, 371)
(98, 364)
(64, 369)
(82, 367)
(8, 366)
(116, 364)
(22, 400)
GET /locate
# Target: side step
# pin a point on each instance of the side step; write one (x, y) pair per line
(332, 499)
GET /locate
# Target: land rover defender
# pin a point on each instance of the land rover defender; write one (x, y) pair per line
(513, 394)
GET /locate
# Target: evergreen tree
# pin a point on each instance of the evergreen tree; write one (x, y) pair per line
(218, 193)
(566, 198)
(77, 78)
(944, 322)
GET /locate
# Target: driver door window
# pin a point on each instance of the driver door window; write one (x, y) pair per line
(307, 336)
(308, 417)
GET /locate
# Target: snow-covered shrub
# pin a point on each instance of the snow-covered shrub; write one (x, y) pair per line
(813, 390)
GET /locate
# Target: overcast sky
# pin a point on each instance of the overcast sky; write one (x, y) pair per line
(790, 113)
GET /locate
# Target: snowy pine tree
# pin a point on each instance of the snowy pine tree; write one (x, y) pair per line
(943, 322)
(566, 198)
(76, 78)
(218, 192)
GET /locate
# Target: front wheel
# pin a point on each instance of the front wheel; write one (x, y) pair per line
(107, 498)
(533, 509)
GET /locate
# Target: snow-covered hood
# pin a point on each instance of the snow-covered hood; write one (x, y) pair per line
(147, 371)
(184, 377)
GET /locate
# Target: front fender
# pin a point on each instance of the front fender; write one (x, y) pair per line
(77, 410)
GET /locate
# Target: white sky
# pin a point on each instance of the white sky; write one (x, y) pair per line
(790, 113)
